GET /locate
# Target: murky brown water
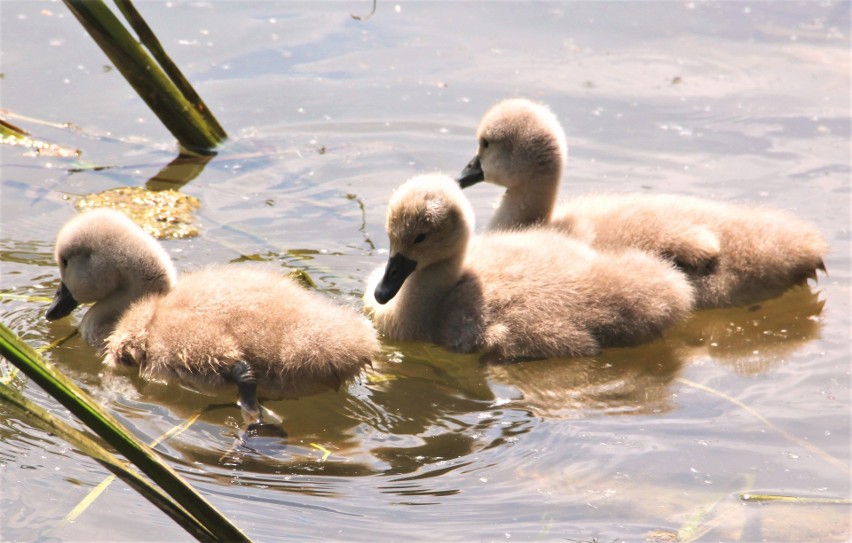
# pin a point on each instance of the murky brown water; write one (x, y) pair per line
(733, 101)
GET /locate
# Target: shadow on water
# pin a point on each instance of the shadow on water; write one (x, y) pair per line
(637, 381)
(421, 406)
(420, 401)
(423, 418)
(752, 340)
(180, 171)
(631, 381)
(422, 410)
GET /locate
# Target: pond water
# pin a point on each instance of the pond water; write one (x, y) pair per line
(326, 115)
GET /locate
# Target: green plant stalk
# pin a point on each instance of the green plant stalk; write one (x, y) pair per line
(769, 424)
(8, 130)
(173, 109)
(784, 498)
(83, 407)
(98, 490)
(701, 522)
(150, 41)
(13, 135)
(85, 444)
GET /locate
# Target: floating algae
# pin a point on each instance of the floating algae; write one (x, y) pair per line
(165, 214)
(303, 278)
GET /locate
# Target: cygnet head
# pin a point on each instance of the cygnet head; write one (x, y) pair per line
(429, 221)
(102, 254)
(518, 140)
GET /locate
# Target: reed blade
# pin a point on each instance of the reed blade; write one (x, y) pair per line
(62, 389)
(192, 124)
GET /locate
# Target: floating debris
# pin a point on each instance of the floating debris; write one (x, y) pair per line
(17, 137)
(662, 536)
(303, 278)
(751, 497)
(367, 16)
(164, 214)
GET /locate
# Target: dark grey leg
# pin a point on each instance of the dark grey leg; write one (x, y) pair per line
(253, 424)
(246, 381)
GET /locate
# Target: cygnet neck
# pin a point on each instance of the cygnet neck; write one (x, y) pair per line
(423, 293)
(527, 202)
(145, 271)
(100, 319)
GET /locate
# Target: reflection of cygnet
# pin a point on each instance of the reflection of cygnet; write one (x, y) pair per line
(752, 340)
(530, 294)
(616, 382)
(734, 254)
(217, 326)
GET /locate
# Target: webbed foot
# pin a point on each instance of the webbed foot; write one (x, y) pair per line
(262, 429)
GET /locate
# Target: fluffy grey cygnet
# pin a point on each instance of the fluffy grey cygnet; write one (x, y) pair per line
(512, 295)
(734, 254)
(219, 326)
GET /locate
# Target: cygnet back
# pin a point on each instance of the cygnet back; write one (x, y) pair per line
(295, 341)
(529, 294)
(733, 254)
(231, 325)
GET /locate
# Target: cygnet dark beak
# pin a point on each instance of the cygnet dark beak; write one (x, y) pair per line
(63, 304)
(471, 174)
(397, 270)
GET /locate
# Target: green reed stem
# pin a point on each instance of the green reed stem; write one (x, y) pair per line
(83, 407)
(843, 466)
(49, 423)
(183, 113)
(150, 41)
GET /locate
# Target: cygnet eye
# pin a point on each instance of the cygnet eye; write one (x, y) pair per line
(63, 262)
(420, 238)
(484, 143)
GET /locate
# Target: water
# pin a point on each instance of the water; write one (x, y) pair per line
(732, 101)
